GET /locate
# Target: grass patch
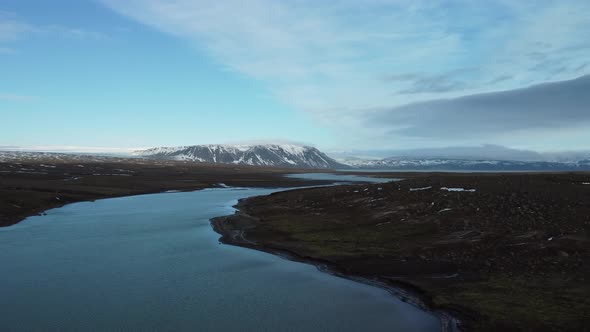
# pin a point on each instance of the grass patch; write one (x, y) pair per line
(528, 304)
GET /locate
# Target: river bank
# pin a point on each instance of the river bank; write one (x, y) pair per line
(504, 251)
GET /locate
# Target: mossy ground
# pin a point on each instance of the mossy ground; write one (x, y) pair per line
(512, 255)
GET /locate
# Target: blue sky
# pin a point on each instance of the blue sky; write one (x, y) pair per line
(340, 75)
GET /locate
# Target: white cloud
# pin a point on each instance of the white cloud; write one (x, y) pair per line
(298, 46)
(330, 58)
(312, 55)
(545, 43)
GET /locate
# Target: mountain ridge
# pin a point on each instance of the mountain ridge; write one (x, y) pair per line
(274, 155)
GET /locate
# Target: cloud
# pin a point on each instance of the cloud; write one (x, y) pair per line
(500, 78)
(486, 151)
(268, 141)
(12, 29)
(555, 106)
(329, 59)
(314, 54)
(481, 152)
(428, 83)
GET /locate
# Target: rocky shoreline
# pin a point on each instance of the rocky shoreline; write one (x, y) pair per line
(505, 251)
(406, 292)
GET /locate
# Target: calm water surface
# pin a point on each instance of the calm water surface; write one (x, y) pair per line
(340, 177)
(153, 263)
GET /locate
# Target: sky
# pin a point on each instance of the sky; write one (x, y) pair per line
(340, 75)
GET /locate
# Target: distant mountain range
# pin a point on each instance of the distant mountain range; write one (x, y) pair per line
(273, 155)
(465, 164)
(298, 156)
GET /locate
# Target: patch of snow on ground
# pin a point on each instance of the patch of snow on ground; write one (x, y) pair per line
(289, 161)
(458, 189)
(73, 178)
(420, 189)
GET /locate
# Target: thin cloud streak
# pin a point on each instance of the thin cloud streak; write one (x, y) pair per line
(13, 29)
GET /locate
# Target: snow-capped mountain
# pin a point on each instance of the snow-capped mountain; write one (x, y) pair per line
(276, 155)
(442, 164)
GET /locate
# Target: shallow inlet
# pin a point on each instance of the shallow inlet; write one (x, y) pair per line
(152, 262)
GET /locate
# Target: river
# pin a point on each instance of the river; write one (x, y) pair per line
(153, 263)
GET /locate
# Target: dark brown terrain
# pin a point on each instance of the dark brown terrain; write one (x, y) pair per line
(29, 186)
(511, 252)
